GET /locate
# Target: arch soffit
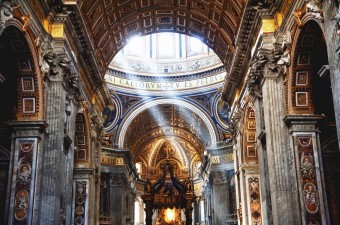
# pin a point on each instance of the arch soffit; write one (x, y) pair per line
(134, 113)
(184, 158)
(149, 139)
(298, 32)
(33, 56)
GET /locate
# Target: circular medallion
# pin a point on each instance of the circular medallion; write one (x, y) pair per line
(80, 199)
(21, 204)
(26, 146)
(79, 210)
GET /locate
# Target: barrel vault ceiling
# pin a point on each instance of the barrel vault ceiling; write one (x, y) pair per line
(111, 23)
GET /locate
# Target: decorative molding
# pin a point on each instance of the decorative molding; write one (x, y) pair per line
(308, 179)
(80, 200)
(219, 178)
(255, 200)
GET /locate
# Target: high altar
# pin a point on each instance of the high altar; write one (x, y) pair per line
(169, 197)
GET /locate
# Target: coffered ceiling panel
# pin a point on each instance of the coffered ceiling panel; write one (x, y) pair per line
(111, 22)
(167, 122)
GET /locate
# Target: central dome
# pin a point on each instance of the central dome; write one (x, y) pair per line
(165, 62)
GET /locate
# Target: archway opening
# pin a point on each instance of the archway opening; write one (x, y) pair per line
(312, 64)
(165, 106)
(14, 59)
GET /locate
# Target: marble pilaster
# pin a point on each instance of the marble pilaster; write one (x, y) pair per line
(220, 196)
(279, 156)
(26, 145)
(266, 85)
(305, 142)
(56, 183)
(263, 164)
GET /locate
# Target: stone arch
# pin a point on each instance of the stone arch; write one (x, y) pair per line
(28, 82)
(32, 48)
(21, 90)
(301, 73)
(309, 77)
(134, 113)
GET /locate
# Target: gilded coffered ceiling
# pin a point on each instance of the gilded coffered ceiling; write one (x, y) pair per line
(111, 22)
(165, 122)
(167, 130)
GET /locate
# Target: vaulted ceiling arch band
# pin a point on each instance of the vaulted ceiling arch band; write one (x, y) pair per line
(205, 118)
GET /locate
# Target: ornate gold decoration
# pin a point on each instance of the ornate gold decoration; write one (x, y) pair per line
(298, 13)
(27, 22)
(268, 25)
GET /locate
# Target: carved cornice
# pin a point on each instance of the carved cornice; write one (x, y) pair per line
(210, 72)
(247, 36)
